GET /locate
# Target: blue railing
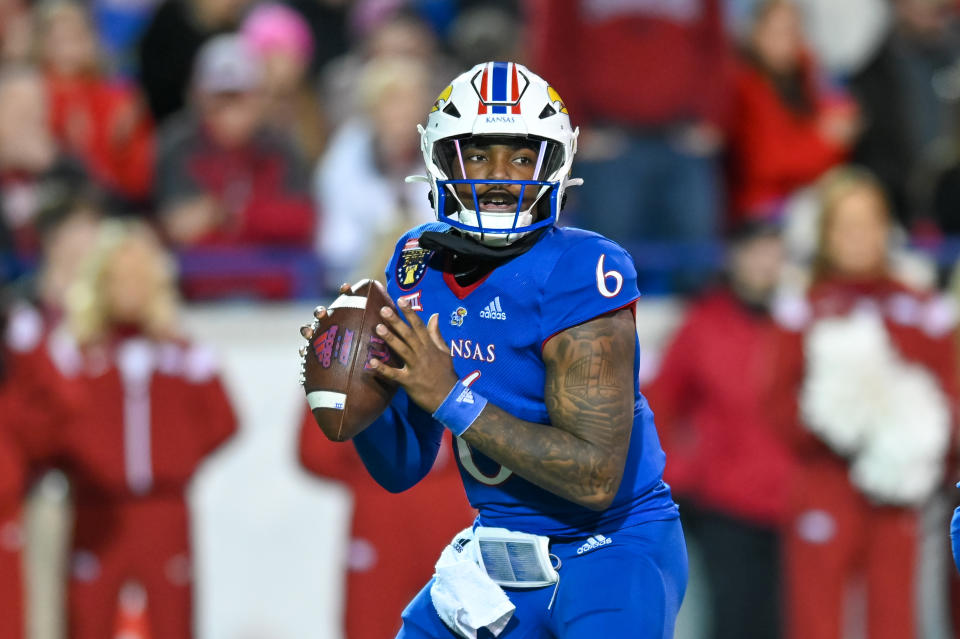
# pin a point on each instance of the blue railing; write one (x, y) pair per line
(251, 272)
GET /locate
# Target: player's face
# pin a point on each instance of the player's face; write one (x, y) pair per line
(498, 162)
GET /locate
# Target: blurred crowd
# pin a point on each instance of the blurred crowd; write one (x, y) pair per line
(792, 167)
(240, 129)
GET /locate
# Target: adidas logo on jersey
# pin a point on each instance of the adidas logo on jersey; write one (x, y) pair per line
(493, 310)
(597, 541)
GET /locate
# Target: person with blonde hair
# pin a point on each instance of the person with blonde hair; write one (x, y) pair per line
(359, 187)
(867, 387)
(157, 408)
(105, 295)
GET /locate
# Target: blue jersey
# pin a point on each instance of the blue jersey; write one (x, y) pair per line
(496, 329)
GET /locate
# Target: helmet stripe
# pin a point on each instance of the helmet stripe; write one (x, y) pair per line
(516, 90)
(483, 92)
(499, 86)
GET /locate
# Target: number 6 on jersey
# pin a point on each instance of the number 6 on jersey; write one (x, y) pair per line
(602, 279)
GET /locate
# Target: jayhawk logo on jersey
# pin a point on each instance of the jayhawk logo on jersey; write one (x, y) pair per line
(456, 317)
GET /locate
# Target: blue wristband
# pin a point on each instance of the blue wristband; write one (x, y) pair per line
(460, 409)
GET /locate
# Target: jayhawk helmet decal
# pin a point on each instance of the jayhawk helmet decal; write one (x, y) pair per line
(506, 102)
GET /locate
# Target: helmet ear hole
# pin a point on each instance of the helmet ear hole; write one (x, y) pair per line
(450, 109)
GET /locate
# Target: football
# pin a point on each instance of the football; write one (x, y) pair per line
(344, 394)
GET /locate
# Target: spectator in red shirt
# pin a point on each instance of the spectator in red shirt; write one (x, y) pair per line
(102, 122)
(724, 458)
(649, 84)
(12, 477)
(224, 178)
(157, 408)
(11, 536)
(787, 129)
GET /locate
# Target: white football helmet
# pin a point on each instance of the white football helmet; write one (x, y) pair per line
(494, 103)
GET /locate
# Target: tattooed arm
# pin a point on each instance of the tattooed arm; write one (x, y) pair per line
(589, 395)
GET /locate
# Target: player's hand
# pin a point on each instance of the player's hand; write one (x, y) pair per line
(427, 374)
(306, 331)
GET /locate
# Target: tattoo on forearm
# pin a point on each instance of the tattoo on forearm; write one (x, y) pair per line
(589, 395)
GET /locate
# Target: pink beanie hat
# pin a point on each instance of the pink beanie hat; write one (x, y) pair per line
(271, 27)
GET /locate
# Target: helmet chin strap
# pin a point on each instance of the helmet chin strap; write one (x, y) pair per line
(465, 246)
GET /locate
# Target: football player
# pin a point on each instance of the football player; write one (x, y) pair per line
(519, 339)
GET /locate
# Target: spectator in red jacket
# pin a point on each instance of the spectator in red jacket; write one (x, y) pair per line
(157, 409)
(787, 129)
(725, 460)
(224, 178)
(387, 565)
(12, 477)
(102, 122)
(36, 408)
(649, 83)
(867, 388)
(11, 536)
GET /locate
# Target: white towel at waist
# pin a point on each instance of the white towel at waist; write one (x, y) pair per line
(465, 597)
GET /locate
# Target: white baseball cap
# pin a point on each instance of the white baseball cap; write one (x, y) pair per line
(227, 64)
